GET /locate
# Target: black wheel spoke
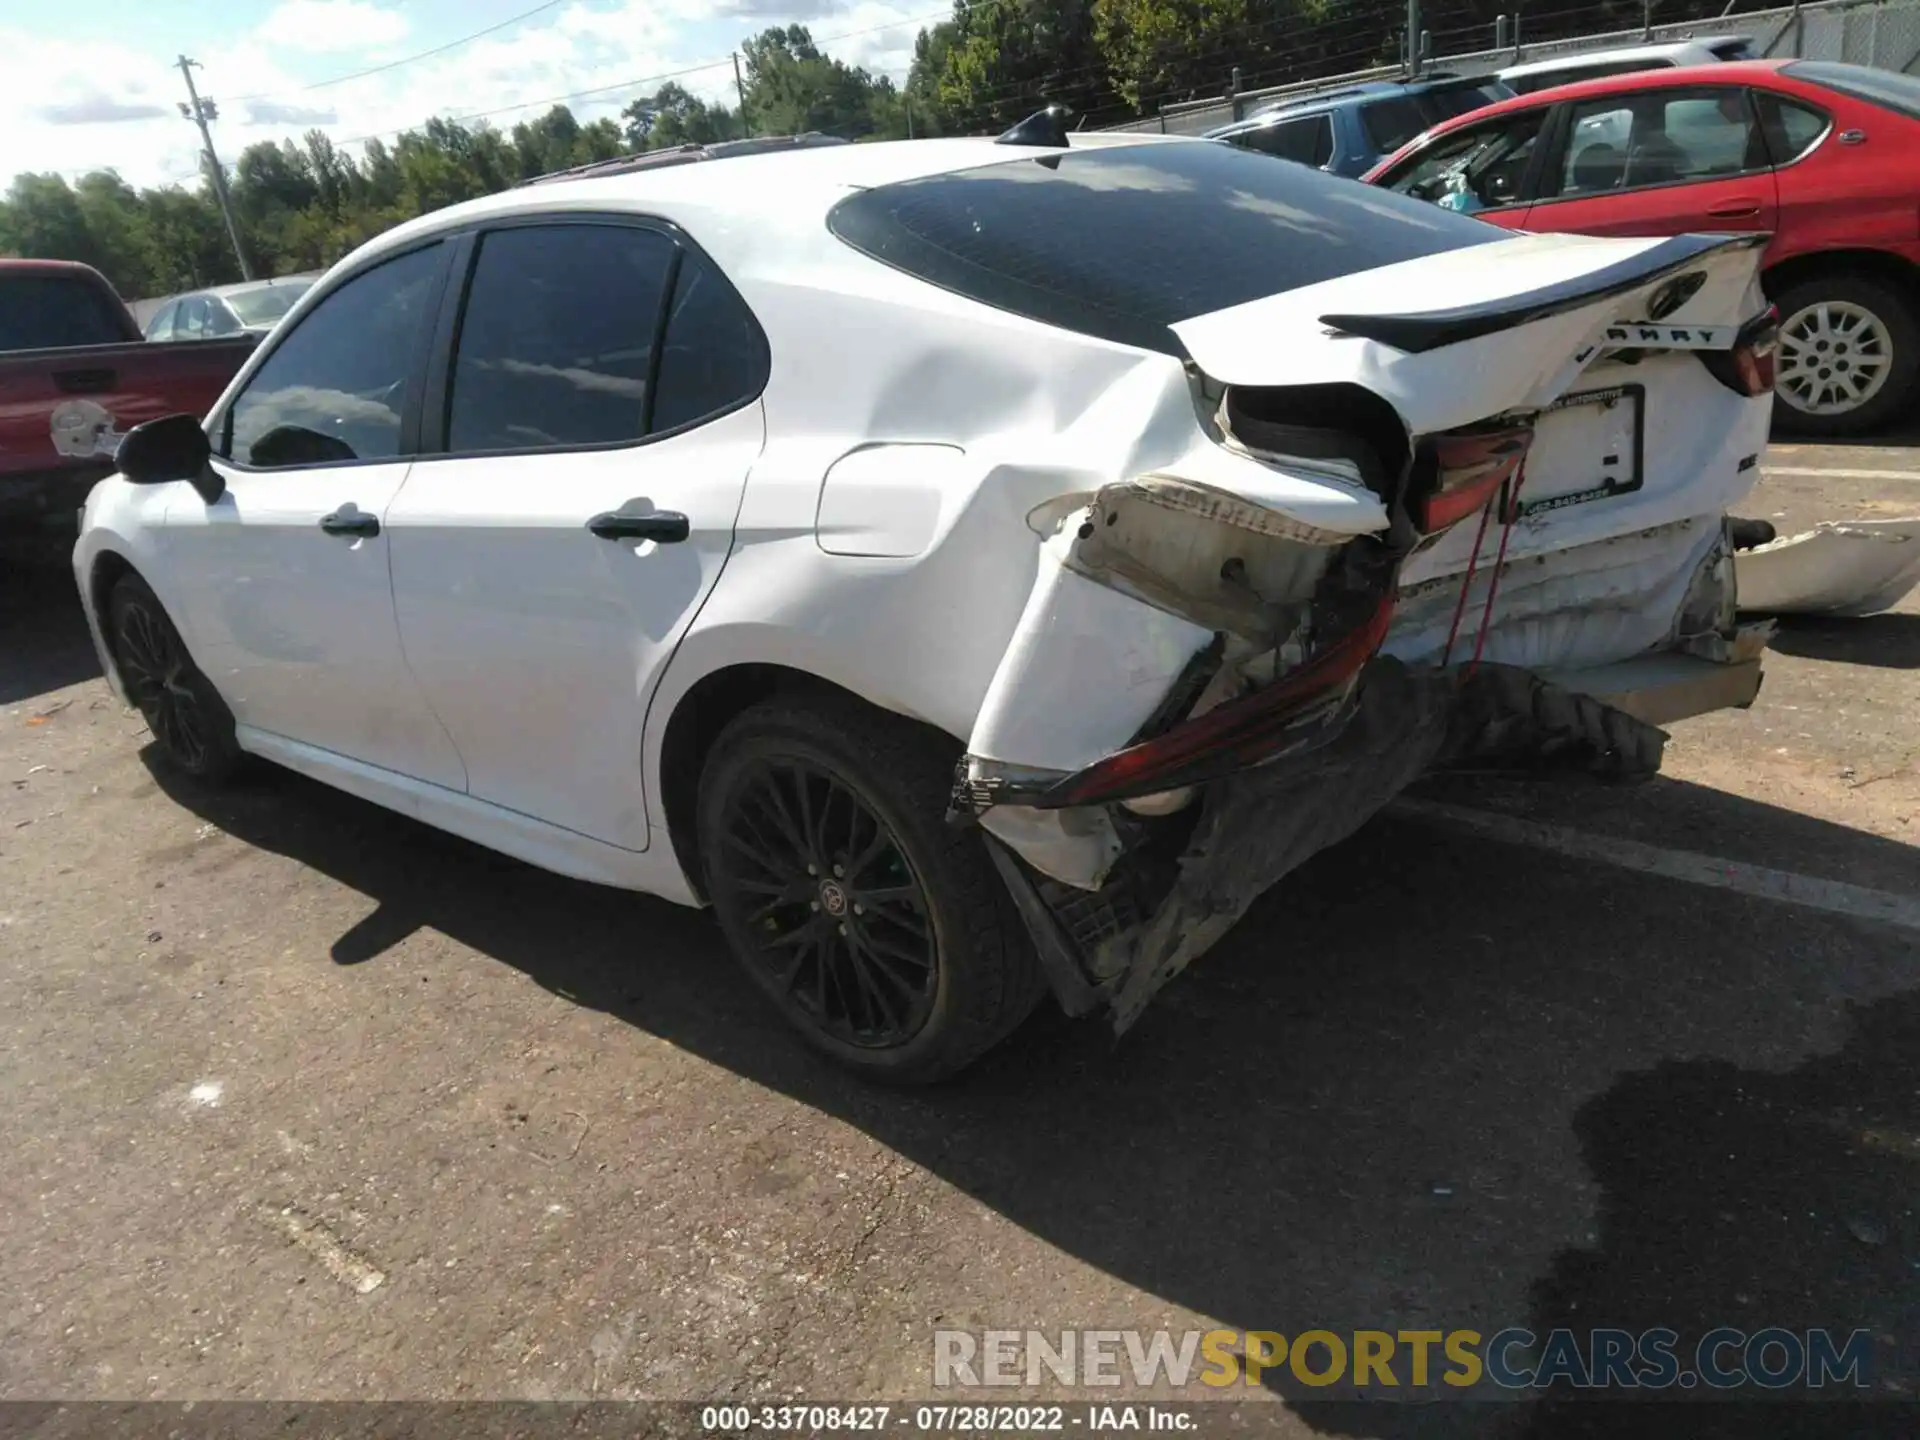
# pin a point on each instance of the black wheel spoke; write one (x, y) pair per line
(833, 916)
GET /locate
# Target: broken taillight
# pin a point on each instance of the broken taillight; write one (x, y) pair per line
(1470, 466)
(1748, 368)
(1231, 736)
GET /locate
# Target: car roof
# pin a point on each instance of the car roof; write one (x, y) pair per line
(1362, 90)
(46, 267)
(1726, 72)
(778, 187)
(247, 287)
(1571, 58)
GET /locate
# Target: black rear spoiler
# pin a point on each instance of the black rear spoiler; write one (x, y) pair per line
(1431, 329)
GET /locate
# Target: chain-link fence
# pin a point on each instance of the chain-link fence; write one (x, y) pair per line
(1881, 33)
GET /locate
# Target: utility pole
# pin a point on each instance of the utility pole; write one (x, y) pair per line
(200, 112)
(740, 88)
(1413, 39)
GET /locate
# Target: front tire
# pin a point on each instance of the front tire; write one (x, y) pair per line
(1849, 355)
(882, 934)
(191, 724)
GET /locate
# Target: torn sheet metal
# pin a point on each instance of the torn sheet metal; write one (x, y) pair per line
(1853, 567)
(1260, 824)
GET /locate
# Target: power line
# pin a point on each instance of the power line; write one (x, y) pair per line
(405, 59)
(643, 80)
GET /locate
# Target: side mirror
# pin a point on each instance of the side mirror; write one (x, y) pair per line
(174, 447)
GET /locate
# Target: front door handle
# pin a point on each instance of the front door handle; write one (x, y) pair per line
(668, 527)
(1734, 210)
(351, 522)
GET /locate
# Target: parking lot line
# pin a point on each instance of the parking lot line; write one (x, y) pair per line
(1820, 472)
(1784, 886)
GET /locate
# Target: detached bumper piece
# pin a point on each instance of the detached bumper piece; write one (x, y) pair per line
(1118, 946)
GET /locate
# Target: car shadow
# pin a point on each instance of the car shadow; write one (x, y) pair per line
(1431, 1081)
(44, 644)
(1888, 642)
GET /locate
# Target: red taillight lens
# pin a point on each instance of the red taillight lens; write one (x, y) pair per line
(1232, 736)
(1470, 466)
(1748, 368)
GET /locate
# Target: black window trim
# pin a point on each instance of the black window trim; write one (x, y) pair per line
(437, 391)
(1565, 126)
(409, 407)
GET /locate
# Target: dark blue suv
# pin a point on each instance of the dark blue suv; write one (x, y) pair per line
(1350, 130)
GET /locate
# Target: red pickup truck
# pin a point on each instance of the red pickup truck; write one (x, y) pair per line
(75, 375)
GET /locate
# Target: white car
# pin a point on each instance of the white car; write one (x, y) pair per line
(976, 569)
(1573, 65)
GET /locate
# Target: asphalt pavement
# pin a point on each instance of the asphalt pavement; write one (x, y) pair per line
(306, 1101)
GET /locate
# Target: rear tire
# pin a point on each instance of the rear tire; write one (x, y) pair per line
(191, 724)
(884, 935)
(1849, 355)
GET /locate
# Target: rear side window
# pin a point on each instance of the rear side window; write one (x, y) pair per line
(1123, 241)
(1792, 128)
(1889, 89)
(556, 344)
(43, 312)
(335, 387)
(1308, 141)
(713, 358)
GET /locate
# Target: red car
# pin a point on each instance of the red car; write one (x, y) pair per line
(1824, 156)
(75, 375)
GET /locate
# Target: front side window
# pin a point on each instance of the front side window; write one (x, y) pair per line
(1660, 137)
(556, 342)
(1124, 241)
(1480, 167)
(335, 386)
(1308, 141)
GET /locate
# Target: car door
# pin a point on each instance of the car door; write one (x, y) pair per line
(1659, 162)
(282, 585)
(598, 390)
(1486, 170)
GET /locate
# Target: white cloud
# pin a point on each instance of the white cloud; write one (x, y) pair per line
(332, 26)
(72, 106)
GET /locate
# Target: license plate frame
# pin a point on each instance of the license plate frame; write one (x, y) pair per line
(1623, 441)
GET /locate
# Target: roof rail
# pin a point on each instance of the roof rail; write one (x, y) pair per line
(685, 155)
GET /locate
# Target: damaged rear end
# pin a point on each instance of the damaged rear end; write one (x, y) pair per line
(1402, 536)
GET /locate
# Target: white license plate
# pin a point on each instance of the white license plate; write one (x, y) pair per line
(1587, 447)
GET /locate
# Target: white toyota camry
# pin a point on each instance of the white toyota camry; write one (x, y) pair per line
(977, 569)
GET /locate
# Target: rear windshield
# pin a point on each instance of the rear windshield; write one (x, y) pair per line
(42, 312)
(1123, 242)
(258, 307)
(1888, 88)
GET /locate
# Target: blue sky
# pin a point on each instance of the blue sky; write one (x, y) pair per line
(102, 93)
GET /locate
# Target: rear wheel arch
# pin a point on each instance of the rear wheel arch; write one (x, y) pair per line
(1882, 265)
(698, 718)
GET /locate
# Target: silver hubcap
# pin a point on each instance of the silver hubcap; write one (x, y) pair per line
(1834, 356)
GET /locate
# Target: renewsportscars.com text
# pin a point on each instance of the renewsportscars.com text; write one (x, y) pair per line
(1446, 1361)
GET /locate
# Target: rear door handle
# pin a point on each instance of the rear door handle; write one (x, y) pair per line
(1734, 210)
(668, 527)
(351, 522)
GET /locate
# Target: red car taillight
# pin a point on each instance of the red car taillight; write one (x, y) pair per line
(1470, 467)
(1748, 368)
(1239, 733)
